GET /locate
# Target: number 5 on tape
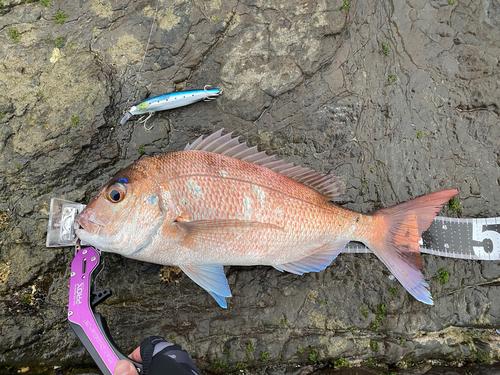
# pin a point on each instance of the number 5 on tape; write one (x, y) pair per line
(489, 230)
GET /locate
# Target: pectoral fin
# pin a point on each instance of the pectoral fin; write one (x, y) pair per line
(318, 261)
(210, 277)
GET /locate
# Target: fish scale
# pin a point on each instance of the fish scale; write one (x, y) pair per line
(201, 210)
(223, 198)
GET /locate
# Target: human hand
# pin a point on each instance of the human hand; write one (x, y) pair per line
(158, 357)
(125, 367)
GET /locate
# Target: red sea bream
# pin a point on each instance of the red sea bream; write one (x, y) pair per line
(220, 203)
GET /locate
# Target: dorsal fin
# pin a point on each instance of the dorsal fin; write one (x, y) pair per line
(330, 186)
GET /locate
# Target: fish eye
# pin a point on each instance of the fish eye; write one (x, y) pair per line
(116, 192)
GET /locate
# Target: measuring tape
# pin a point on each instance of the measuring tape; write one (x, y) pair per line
(477, 239)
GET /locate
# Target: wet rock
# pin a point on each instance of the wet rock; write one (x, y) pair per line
(400, 99)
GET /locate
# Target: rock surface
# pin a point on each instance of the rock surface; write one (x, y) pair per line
(398, 98)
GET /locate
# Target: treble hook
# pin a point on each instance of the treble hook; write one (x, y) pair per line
(208, 97)
(141, 121)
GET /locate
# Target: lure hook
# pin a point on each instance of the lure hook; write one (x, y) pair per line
(209, 97)
(141, 121)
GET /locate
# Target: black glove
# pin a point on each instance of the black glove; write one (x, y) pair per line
(160, 357)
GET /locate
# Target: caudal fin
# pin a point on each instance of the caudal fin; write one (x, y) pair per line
(396, 241)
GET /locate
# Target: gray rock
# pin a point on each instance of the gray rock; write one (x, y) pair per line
(398, 98)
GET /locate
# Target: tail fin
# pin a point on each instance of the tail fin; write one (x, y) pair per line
(397, 244)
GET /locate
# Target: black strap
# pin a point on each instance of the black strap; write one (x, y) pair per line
(147, 350)
(165, 359)
(163, 364)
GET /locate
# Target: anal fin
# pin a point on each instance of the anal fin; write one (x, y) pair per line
(318, 261)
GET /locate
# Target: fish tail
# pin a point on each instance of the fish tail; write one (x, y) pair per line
(395, 241)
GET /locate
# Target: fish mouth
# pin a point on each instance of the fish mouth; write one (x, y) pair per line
(89, 226)
(88, 232)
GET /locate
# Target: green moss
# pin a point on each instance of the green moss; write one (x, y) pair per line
(420, 134)
(381, 311)
(75, 120)
(477, 357)
(385, 48)
(60, 18)
(219, 364)
(454, 205)
(283, 321)
(227, 352)
(264, 355)
(250, 347)
(241, 365)
(313, 356)
(1, 115)
(323, 303)
(393, 290)
(443, 276)
(393, 78)
(370, 362)
(59, 42)
(346, 6)
(374, 345)
(171, 337)
(18, 166)
(408, 362)
(341, 362)
(301, 350)
(26, 299)
(382, 308)
(479, 334)
(46, 3)
(451, 2)
(15, 35)
(365, 313)
(379, 316)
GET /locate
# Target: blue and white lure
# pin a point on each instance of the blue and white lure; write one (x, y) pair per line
(169, 101)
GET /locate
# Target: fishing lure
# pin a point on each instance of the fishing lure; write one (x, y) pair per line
(169, 101)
